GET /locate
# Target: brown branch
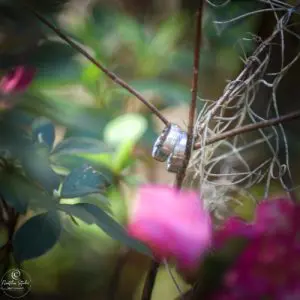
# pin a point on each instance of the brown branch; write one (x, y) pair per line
(248, 128)
(151, 276)
(115, 279)
(193, 105)
(150, 280)
(110, 74)
(187, 295)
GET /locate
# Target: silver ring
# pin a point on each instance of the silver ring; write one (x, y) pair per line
(176, 159)
(166, 142)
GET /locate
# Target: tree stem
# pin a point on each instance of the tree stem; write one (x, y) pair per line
(150, 280)
(151, 276)
(193, 105)
(100, 66)
(248, 128)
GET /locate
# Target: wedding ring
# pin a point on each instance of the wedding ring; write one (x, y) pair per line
(176, 159)
(166, 142)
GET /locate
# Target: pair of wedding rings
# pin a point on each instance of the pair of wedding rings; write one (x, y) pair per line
(170, 146)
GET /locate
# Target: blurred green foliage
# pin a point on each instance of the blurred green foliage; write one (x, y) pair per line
(69, 189)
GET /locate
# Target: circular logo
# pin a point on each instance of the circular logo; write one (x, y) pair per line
(16, 283)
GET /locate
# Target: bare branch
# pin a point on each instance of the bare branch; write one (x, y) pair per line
(248, 128)
(110, 74)
(194, 90)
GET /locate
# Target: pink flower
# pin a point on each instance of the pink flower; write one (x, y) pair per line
(17, 80)
(281, 213)
(173, 224)
(269, 266)
(233, 227)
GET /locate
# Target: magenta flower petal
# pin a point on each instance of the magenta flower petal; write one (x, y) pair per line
(269, 267)
(173, 224)
(17, 80)
(232, 227)
(278, 212)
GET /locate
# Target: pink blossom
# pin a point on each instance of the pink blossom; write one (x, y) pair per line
(232, 227)
(269, 266)
(17, 80)
(282, 213)
(173, 224)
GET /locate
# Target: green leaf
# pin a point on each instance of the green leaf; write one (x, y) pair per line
(76, 151)
(166, 38)
(92, 214)
(101, 159)
(182, 63)
(90, 74)
(171, 94)
(103, 22)
(131, 34)
(96, 199)
(36, 236)
(80, 145)
(14, 138)
(123, 156)
(43, 131)
(124, 128)
(55, 64)
(80, 119)
(150, 134)
(15, 190)
(20, 193)
(134, 181)
(36, 164)
(83, 181)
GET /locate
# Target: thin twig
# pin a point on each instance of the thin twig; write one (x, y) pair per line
(173, 279)
(115, 279)
(193, 105)
(150, 280)
(110, 74)
(248, 128)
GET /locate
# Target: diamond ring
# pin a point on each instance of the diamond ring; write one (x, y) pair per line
(166, 142)
(176, 159)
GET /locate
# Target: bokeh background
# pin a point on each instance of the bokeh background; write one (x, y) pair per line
(149, 44)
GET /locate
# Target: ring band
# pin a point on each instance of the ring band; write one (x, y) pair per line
(176, 159)
(166, 142)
